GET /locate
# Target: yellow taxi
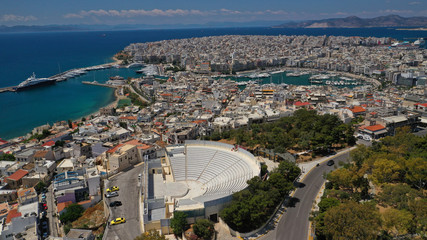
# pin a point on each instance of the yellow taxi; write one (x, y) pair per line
(118, 221)
(113, 189)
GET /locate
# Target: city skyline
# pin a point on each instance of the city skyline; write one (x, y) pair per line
(47, 12)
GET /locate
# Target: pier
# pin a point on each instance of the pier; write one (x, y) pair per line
(8, 89)
(100, 84)
(70, 74)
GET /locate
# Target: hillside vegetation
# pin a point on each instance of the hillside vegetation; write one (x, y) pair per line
(381, 195)
(305, 130)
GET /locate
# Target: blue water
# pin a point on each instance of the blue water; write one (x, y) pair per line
(48, 53)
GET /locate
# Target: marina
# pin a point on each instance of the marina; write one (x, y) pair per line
(36, 82)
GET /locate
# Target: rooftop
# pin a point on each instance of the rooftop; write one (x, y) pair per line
(374, 128)
(18, 175)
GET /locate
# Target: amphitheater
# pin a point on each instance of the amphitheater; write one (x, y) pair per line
(199, 177)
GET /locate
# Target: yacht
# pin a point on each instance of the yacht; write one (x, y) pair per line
(34, 82)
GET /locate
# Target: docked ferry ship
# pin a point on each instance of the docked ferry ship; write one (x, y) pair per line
(34, 82)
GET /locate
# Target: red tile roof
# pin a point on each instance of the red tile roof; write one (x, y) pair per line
(144, 146)
(18, 175)
(133, 142)
(41, 154)
(114, 149)
(357, 109)
(63, 205)
(129, 117)
(12, 214)
(375, 128)
(48, 144)
(200, 121)
(301, 103)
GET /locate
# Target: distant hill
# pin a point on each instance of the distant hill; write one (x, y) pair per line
(47, 28)
(356, 22)
(101, 27)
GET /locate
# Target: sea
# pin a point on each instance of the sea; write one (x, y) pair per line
(49, 53)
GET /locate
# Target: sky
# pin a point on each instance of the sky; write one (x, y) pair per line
(156, 12)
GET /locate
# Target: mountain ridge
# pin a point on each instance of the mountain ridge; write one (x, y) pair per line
(357, 22)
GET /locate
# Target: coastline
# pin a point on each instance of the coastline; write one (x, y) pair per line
(112, 104)
(96, 112)
(411, 29)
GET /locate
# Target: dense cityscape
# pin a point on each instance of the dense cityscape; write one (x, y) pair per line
(205, 145)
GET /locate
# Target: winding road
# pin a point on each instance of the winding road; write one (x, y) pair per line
(294, 223)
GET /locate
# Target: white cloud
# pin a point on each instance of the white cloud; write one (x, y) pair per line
(136, 12)
(395, 11)
(16, 18)
(414, 3)
(167, 13)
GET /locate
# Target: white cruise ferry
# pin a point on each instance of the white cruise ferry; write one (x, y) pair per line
(34, 82)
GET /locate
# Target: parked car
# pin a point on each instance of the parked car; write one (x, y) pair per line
(113, 189)
(115, 203)
(330, 163)
(111, 194)
(118, 221)
(44, 226)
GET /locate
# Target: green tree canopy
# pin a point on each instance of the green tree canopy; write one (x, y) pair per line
(398, 222)
(151, 235)
(72, 213)
(204, 228)
(352, 220)
(327, 203)
(397, 195)
(179, 222)
(7, 157)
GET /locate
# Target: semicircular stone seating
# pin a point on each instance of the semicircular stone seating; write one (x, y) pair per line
(221, 171)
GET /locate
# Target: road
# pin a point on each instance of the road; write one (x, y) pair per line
(51, 210)
(294, 223)
(127, 181)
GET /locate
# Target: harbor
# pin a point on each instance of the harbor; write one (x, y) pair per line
(63, 76)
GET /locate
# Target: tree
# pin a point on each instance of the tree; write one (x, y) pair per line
(204, 228)
(289, 170)
(40, 185)
(151, 235)
(59, 143)
(280, 183)
(327, 203)
(352, 220)
(416, 173)
(398, 222)
(179, 222)
(359, 155)
(7, 157)
(397, 195)
(418, 208)
(123, 125)
(264, 169)
(70, 123)
(72, 213)
(385, 170)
